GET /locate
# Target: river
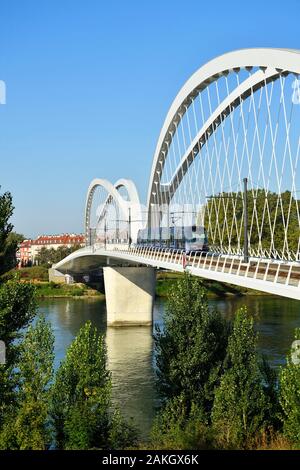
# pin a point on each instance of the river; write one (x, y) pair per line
(130, 349)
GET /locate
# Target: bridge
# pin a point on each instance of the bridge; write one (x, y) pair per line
(226, 164)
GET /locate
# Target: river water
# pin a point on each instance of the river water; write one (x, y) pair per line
(130, 349)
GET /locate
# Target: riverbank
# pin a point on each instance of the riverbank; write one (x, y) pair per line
(38, 275)
(77, 290)
(164, 281)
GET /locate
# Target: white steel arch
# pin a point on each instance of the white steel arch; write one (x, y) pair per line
(113, 194)
(111, 190)
(242, 92)
(130, 188)
(272, 63)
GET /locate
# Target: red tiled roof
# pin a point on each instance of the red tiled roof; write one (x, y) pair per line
(26, 244)
(64, 239)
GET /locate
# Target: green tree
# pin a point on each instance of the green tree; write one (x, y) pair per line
(15, 237)
(176, 427)
(63, 251)
(81, 397)
(241, 406)
(25, 375)
(122, 434)
(268, 213)
(27, 427)
(191, 347)
(49, 256)
(290, 393)
(17, 309)
(8, 243)
(45, 257)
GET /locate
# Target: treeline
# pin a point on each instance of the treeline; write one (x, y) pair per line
(9, 240)
(48, 256)
(217, 391)
(268, 213)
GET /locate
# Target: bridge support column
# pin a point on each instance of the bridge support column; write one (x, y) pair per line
(129, 295)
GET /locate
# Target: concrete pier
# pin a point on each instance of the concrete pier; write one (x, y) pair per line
(129, 295)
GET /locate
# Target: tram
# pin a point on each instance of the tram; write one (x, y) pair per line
(188, 239)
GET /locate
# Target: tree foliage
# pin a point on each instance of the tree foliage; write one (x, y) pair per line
(176, 427)
(49, 256)
(241, 406)
(81, 397)
(217, 391)
(272, 212)
(27, 424)
(8, 242)
(17, 309)
(290, 393)
(191, 347)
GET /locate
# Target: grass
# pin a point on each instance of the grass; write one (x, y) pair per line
(38, 275)
(52, 289)
(33, 273)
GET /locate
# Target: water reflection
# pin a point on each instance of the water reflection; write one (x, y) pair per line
(130, 349)
(68, 315)
(275, 321)
(130, 360)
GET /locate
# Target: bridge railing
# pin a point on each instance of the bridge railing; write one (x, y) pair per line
(265, 270)
(274, 271)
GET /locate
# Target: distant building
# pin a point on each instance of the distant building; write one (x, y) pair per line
(29, 249)
(24, 250)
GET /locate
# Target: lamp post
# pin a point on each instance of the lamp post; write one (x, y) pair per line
(117, 227)
(105, 230)
(129, 226)
(246, 252)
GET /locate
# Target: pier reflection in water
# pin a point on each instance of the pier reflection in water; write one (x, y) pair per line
(130, 349)
(129, 353)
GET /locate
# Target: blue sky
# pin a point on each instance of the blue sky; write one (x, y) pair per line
(89, 84)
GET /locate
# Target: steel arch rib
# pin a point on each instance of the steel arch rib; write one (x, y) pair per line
(280, 59)
(112, 191)
(134, 204)
(130, 188)
(223, 110)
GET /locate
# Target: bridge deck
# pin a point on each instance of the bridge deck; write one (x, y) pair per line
(269, 276)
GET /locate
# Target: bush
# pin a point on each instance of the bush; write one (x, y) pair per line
(34, 273)
(176, 427)
(38, 273)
